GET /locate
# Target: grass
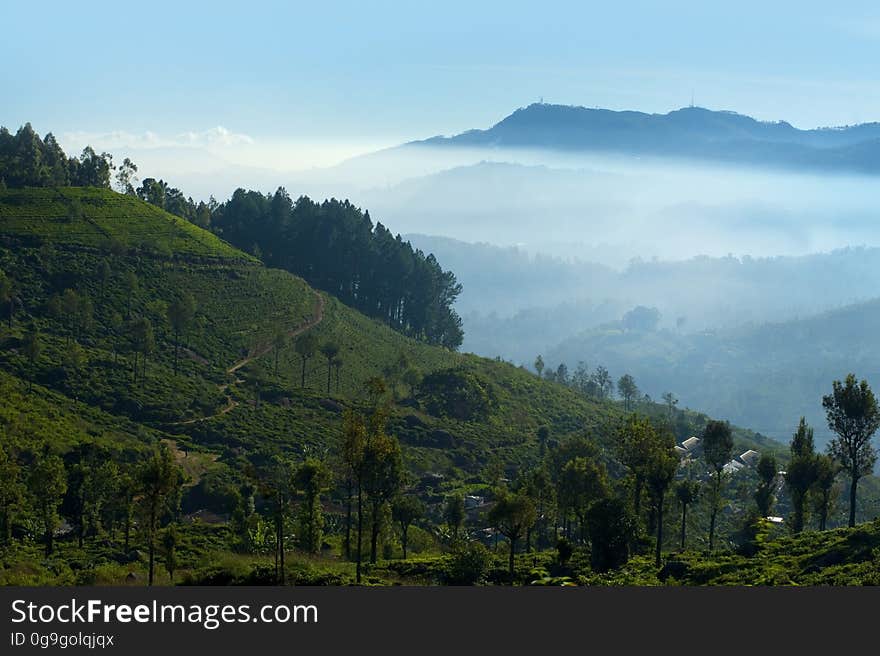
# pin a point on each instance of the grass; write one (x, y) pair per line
(101, 219)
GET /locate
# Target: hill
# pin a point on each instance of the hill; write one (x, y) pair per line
(92, 285)
(765, 376)
(692, 132)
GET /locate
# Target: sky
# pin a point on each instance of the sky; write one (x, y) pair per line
(294, 85)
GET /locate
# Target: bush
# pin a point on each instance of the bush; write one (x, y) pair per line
(469, 564)
(458, 394)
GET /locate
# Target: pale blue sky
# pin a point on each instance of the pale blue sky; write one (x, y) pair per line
(362, 73)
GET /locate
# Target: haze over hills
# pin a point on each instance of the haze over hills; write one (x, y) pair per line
(763, 374)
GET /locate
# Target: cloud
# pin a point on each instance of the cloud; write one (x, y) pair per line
(212, 138)
(218, 136)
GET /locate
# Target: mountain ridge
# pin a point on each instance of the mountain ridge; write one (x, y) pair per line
(687, 132)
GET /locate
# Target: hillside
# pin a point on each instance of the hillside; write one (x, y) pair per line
(692, 132)
(838, 557)
(241, 306)
(765, 376)
(105, 377)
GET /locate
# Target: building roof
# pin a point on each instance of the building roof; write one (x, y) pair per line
(733, 466)
(750, 457)
(691, 443)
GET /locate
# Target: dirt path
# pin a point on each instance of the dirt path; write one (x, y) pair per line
(230, 405)
(259, 351)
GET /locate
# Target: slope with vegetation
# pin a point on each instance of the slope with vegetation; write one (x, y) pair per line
(175, 405)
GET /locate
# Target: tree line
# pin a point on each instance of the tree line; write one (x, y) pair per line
(99, 496)
(26, 160)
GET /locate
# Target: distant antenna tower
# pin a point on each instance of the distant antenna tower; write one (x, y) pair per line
(692, 100)
(541, 101)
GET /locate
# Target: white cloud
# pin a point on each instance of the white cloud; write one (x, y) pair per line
(213, 138)
(218, 136)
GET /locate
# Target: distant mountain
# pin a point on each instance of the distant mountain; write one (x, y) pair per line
(692, 132)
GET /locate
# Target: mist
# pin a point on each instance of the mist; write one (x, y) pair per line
(610, 209)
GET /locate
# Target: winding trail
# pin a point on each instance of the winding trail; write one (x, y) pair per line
(259, 351)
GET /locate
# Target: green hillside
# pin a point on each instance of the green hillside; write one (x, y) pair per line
(87, 271)
(240, 307)
(99, 218)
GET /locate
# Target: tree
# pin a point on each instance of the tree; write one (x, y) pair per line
(125, 177)
(117, 325)
(628, 391)
(662, 464)
(311, 479)
(48, 484)
(823, 487)
(543, 435)
(127, 487)
(12, 492)
(158, 478)
(169, 546)
(561, 376)
(337, 367)
(275, 480)
(7, 296)
(143, 342)
(602, 382)
(32, 349)
(181, 313)
(800, 474)
(612, 530)
(104, 274)
(717, 450)
(539, 366)
(583, 481)
(353, 447)
(329, 350)
(305, 347)
(539, 486)
(764, 498)
(633, 447)
(153, 191)
(383, 475)
(453, 514)
(279, 341)
(90, 483)
(83, 316)
(406, 509)
(74, 362)
(853, 414)
(687, 492)
(512, 515)
(93, 170)
(671, 401)
(130, 285)
(641, 318)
